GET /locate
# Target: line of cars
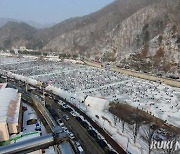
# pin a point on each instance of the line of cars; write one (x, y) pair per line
(78, 148)
(100, 140)
(65, 129)
(73, 141)
(96, 135)
(65, 107)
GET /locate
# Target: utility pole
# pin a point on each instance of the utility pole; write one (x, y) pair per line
(103, 124)
(26, 86)
(44, 97)
(127, 145)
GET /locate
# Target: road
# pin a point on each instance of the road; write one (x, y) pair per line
(108, 138)
(88, 143)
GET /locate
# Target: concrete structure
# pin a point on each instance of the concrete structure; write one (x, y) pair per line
(29, 144)
(10, 115)
(66, 148)
(25, 138)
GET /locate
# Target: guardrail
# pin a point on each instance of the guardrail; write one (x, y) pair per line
(47, 116)
(33, 101)
(29, 145)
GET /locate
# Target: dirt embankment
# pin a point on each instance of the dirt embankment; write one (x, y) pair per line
(147, 77)
(138, 74)
(133, 115)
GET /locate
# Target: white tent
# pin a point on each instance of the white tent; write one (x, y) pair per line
(65, 94)
(97, 103)
(23, 78)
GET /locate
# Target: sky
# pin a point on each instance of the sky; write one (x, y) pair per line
(48, 11)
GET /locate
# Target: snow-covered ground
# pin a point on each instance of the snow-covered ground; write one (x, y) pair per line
(125, 137)
(29, 114)
(161, 100)
(80, 80)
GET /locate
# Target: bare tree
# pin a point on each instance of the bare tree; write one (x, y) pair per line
(135, 130)
(115, 119)
(149, 130)
(123, 125)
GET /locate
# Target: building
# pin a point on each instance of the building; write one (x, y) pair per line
(10, 112)
(22, 48)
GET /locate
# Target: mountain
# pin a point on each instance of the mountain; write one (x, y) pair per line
(138, 34)
(86, 30)
(4, 21)
(15, 33)
(39, 25)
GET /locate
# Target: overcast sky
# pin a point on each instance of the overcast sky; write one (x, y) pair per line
(48, 11)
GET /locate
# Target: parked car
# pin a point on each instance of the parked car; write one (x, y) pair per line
(60, 102)
(59, 121)
(38, 127)
(102, 143)
(71, 135)
(65, 106)
(92, 133)
(65, 129)
(80, 150)
(109, 151)
(66, 117)
(78, 119)
(69, 109)
(85, 124)
(77, 143)
(56, 100)
(73, 113)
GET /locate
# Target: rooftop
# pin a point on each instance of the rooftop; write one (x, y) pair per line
(3, 85)
(9, 104)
